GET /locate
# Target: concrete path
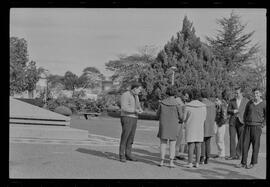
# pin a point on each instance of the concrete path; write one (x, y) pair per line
(70, 153)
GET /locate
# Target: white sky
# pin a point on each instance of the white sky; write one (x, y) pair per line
(62, 39)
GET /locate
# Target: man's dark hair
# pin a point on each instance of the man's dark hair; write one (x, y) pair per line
(171, 91)
(135, 85)
(239, 88)
(225, 95)
(204, 93)
(188, 92)
(257, 89)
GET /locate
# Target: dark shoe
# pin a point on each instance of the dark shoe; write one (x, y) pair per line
(240, 165)
(179, 157)
(122, 159)
(161, 163)
(131, 158)
(206, 160)
(249, 166)
(233, 158)
(202, 161)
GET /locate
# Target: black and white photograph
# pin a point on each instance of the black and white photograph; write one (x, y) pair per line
(137, 93)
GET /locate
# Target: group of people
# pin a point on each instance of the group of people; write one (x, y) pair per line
(191, 121)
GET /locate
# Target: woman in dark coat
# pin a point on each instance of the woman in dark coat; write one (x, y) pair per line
(169, 114)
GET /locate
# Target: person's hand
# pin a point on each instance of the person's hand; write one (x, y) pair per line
(139, 111)
(235, 111)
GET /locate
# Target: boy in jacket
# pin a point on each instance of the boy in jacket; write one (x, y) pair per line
(255, 120)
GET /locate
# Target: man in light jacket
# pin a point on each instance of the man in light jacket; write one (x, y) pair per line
(130, 108)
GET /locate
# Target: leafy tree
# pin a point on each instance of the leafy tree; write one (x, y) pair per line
(231, 46)
(128, 68)
(18, 61)
(55, 80)
(31, 77)
(70, 81)
(23, 74)
(90, 78)
(195, 63)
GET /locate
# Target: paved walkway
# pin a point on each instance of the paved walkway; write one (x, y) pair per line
(69, 153)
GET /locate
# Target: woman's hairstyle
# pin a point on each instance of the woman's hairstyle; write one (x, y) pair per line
(204, 93)
(171, 91)
(195, 94)
(225, 95)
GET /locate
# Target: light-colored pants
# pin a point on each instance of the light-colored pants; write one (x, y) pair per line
(180, 141)
(163, 145)
(220, 134)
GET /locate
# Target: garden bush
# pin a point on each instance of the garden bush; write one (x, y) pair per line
(63, 110)
(52, 104)
(36, 102)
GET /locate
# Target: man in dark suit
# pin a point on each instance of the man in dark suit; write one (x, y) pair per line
(236, 109)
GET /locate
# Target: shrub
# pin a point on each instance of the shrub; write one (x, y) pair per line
(63, 110)
(52, 104)
(92, 106)
(36, 102)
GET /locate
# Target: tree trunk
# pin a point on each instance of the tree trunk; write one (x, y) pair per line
(31, 94)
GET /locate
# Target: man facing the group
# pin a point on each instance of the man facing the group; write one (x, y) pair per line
(130, 108)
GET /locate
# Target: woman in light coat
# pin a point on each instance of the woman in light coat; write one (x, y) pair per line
(195, 115)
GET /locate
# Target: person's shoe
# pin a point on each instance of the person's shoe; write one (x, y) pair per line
(196, 165)
(202, 160)
(122, 159)
(233, 158)
(171, 164)
(189, 165)
(240, 165)
(179, 158)
(161, 163)
(206, 160)
(216, 156)
(249, 166)
(130, 158)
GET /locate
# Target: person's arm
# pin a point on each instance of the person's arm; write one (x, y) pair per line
(224, 113)
(246, 112)
(186, 117)
(214, 111)
(180, 113)
(230, 109)
(138, 104)
(126, 104)
(158, 112)
(264, 115)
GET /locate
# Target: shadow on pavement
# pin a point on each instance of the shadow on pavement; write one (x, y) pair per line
(223, 162)
(113, 156)
(142, 151)
(216, 174)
